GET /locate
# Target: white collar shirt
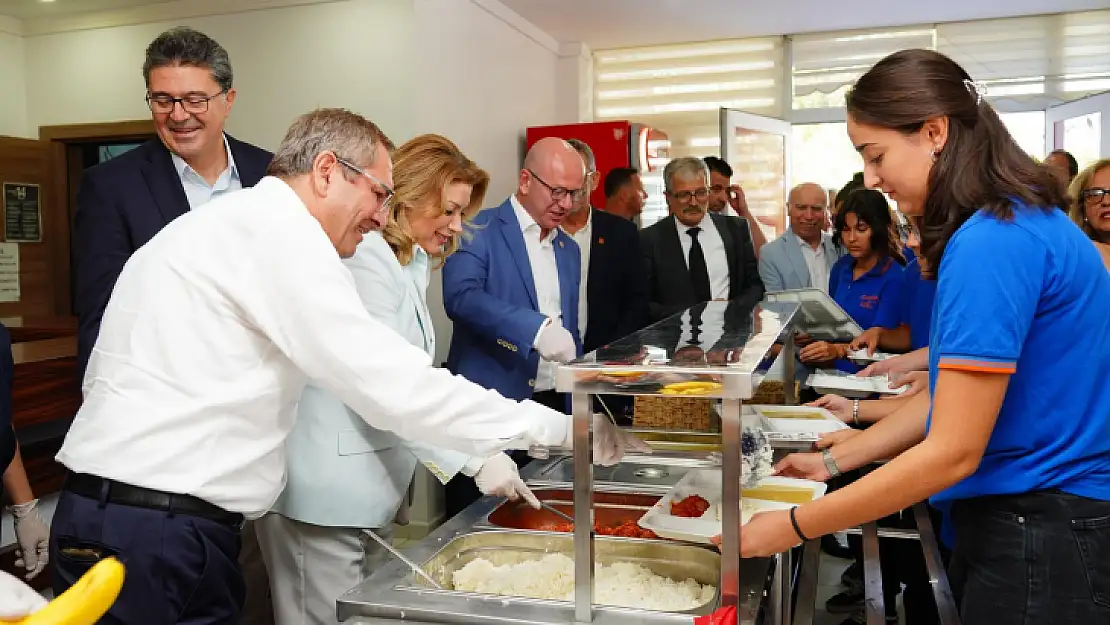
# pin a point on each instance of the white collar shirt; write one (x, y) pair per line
(197, 190)
(545, 276)
(213, 329)
(713, 248)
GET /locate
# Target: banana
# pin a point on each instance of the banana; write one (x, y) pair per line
(86, 601)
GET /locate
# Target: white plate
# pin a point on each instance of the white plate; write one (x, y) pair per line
(860, 357)
(851, 386)
(707, 484)
(794, 428)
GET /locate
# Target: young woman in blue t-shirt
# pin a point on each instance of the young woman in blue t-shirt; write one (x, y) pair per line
(867, 281)
(1016, 446)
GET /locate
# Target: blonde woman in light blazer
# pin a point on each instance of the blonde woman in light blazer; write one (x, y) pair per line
(344, 476)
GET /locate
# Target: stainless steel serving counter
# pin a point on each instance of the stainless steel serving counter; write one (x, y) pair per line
(393, 593)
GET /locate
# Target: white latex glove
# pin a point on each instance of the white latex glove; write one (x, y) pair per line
(33, 536)
(556, 344)
(610, 441)
(17, 600)
(499, 477)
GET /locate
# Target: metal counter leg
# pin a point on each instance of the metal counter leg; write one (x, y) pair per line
(583, 509)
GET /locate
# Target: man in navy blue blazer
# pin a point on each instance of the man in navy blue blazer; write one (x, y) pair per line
(124, 202)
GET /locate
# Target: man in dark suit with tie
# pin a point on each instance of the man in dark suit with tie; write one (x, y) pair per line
(124, 202)
(693, 256)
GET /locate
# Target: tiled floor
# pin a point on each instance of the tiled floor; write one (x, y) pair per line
(828, 584)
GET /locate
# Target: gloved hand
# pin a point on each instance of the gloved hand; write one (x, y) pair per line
(556, 344)
(610, 441)
(33, 537)
(499, 476)
(17, 600)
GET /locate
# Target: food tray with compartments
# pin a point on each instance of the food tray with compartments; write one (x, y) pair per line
(796, 424)
(772, 493)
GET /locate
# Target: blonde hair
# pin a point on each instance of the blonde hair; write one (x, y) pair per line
(423, 168)
(1077, 211)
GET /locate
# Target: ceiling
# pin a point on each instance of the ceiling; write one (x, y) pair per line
(603, 24)
(31, 9)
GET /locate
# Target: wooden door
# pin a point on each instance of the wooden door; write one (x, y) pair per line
(24, 172)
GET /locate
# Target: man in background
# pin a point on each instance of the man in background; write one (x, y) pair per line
(124, 202)
(624, 193)
(613, 294)
(512, 290)
(803, 256)
(1063, 165)
(695, 256)
(723, 194)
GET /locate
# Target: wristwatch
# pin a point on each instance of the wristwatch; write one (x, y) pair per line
(830, 462)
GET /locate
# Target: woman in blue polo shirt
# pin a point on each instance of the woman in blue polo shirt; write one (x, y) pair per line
(867, 281)
(1017, 442)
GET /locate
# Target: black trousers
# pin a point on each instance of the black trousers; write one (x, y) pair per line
(179, 568)
(460, 492)
(1040, 557)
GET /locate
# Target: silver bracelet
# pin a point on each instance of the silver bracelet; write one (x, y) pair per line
(855, 411)
(830, 462)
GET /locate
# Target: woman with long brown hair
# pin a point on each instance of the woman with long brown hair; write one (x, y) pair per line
(344, 476)
(1015, 445)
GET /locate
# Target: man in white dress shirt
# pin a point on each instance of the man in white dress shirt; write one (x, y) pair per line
(212, 331)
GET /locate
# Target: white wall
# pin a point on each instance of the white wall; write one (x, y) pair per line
(13, 84)
(482, 81)
(287, 61)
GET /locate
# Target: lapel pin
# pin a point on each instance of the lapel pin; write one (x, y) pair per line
(601, 240)
(560, 244)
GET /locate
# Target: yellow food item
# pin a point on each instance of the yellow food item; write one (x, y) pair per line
(784, 494)
(86, 601)
(691, 388)
(624, 374)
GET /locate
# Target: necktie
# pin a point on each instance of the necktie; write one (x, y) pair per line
(699, 272)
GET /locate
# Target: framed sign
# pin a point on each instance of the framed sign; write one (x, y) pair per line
(9, 272)
(22, 212)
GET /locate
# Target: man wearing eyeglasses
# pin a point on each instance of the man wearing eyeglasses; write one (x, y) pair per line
(124, 202)
(696, 256)
(512, 290)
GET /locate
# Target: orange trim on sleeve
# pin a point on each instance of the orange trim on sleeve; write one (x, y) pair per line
(977, 366)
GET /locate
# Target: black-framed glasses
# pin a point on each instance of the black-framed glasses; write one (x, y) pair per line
(684, 196)
(1095, 195)
(558, 193)
(385, 195)
(193, 103)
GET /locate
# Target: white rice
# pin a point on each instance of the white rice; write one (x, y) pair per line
(621, 584)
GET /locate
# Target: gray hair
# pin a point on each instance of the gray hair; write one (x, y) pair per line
(185, 46)
(349, 135)
(685, 167)
(584, 150)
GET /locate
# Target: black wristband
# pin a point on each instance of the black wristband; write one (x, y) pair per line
(797, 530)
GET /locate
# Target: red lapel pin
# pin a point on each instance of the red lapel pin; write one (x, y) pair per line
(601, 240)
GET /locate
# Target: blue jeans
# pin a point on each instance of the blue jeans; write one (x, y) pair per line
(1038, 558)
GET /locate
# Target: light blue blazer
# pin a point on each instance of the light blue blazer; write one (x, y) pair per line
(782, 266)
(341, 471)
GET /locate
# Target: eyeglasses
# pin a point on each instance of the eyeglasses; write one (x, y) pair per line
(558, 193)
(1095, 195)
(193, 103)
(385, 195)
(684, 196)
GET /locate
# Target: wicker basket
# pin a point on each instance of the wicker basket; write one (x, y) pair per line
(676, 413)
(772, 392)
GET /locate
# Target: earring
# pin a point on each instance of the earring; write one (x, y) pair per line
(933, 155)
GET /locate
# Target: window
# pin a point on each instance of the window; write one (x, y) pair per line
(1027, 128)
(826, 64)
(822, 153)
